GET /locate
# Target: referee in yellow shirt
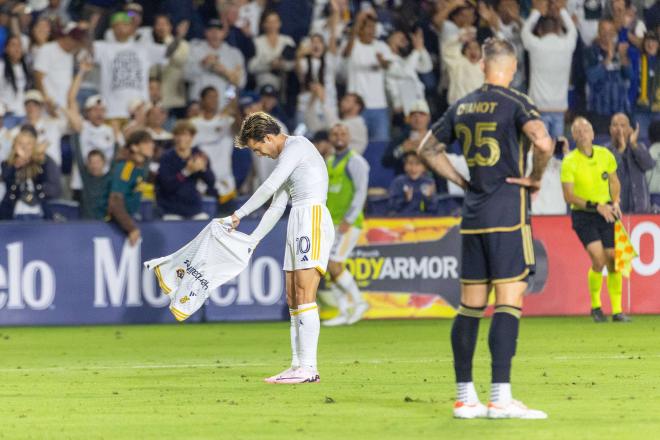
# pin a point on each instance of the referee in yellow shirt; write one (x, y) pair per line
(591, 186)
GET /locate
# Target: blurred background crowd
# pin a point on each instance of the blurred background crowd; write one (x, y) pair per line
(100, 98)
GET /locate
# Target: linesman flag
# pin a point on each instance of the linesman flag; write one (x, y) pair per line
(624, 252)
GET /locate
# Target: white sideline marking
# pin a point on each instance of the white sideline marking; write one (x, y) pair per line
(93, 368)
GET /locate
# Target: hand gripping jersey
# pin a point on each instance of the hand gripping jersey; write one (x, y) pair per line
(214, 257)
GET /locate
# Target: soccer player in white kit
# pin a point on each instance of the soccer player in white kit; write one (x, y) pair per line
(300, 174)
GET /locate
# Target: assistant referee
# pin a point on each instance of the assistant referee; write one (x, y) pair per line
(591, 186)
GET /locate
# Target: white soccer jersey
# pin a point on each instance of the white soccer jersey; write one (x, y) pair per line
(211, 259)
(300, 171)
(214, 137)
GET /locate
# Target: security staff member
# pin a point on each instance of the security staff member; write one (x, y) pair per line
(591, 186)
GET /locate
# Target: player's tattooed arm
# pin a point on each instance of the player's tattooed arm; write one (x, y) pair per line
(542, 152)
(543, 146)
(432, 153)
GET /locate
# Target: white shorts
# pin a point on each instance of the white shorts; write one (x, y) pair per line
(309, 237)
(344, 244)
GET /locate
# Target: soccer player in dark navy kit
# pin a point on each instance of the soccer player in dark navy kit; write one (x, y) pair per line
(496, 126)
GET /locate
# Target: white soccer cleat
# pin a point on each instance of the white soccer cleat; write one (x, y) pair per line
(285, 373)
(295, 376)
(514, 410)
(336, 321)
(358, 311)
(464, 410)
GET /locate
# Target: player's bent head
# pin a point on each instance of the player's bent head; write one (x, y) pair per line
(499, 56)
(258, 133)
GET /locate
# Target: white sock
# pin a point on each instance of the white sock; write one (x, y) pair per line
(466, 393)
(295, 346)
(500, 393)
(348, 285)
(340, 296)
(309, 327)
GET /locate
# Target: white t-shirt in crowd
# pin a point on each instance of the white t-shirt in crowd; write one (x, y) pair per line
(365, 76)
(214, 137)
(265, 54)
(550, 63)
(92, 137)
(250, 13)
(125, 73)
(549, 200)
(13, 99)
(200, 77)
(56, 65)
(144, 34)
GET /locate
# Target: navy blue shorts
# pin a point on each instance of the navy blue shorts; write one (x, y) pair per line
(497, 257)
(591, 226)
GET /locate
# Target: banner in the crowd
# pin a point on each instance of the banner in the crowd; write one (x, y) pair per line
(87, 273)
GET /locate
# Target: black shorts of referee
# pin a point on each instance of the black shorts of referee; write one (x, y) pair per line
(591, 226)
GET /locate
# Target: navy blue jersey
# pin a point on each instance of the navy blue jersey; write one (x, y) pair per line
(488, 123)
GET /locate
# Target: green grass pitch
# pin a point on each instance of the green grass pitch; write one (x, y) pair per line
(380, 380)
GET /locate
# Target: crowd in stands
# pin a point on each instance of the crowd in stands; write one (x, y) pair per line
(110, 104)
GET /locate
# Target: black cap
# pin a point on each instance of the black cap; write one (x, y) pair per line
(268, 90)
(214, 23)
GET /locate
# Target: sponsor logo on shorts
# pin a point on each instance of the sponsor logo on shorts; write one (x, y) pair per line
(304, 258)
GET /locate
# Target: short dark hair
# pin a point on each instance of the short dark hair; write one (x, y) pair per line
(256, 127)
(408, 154)
(654, 132)
(30, 129)
(96, 152)
(206, 90)
(546, 25)
(320, 136)
(358, 98)
(138, 137)
(497, 47)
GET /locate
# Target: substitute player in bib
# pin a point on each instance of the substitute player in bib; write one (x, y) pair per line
(592, 187)
(347, 192)
(495, 125)
(300, 174)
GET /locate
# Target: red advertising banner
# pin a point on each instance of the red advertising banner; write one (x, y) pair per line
(410, 268)
(565, 291)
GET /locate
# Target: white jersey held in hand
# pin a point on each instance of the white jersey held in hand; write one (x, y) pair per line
(215, 256)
